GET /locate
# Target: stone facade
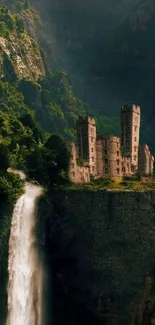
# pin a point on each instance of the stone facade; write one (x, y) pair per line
(130, 127)
(78, 174)
(146, 160)
(86, 138)
(109, 156)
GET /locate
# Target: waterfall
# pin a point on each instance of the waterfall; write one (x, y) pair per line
(25, 270)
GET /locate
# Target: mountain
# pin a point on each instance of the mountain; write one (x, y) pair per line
(103, 46)
(106, 47)
(20, 55)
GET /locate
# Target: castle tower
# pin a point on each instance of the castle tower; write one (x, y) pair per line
(144, 159)
(112, 160)
(130, 127)
(86, 138)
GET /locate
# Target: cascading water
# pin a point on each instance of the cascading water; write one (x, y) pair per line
(25, 271)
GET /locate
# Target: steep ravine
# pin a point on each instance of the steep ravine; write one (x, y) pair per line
(101, 246)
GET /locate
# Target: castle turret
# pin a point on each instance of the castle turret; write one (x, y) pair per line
(130, 127)
(86, 138)
(144, 160)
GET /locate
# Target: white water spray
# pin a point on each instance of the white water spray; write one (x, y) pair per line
(25, 271)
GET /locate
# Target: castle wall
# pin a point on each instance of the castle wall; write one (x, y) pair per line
(144, 160)
(130, 126)
(151, 164)
(126, 167)
(86, 136)
(77, 174)
(112, 160)
(99, 157)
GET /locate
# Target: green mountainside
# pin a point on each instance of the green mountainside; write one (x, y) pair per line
(35, 104)
(107, 49)
(59, 60)
(20, 55)
(45, 98)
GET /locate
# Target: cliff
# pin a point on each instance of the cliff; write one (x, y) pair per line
(20, 55)
(102, 245)
(24, 54)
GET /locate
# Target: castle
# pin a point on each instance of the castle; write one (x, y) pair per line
(109, 156)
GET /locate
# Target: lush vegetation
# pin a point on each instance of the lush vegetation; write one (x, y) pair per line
(10, 22)
(134, 184)
(24, 144)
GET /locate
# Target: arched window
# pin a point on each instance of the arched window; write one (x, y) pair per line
(118, 171)
(106, 143)
(106, 171)
(106, 161)
(106, 152)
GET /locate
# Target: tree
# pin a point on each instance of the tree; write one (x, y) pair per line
(57, 144)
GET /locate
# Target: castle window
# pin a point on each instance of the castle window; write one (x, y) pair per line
(135, 139)
(118, 171)
(123, 169)
(135, 128)
(106, 161)
(106, 143)
(135, 149)
(117, 144)
(117, 153)
(72, 165)
(135, 157)
(106, 152)
(92, 149)
(92, 159)
(117, 161)
(106, 171)
(93, 168)
(91, 140)
(73, 174)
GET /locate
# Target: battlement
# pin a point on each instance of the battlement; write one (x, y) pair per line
(130, 108)
(86, 119)
(111, 138)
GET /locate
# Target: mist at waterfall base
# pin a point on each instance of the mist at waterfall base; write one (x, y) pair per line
(26, 270)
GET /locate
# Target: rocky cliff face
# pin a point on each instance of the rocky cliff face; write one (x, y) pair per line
(102, 245)
(24, 54)
(20, 55)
